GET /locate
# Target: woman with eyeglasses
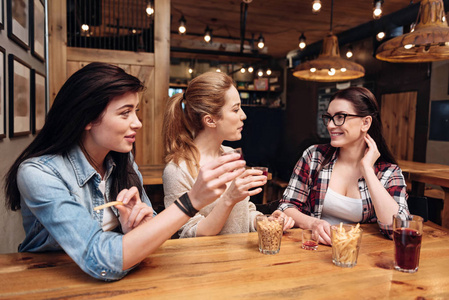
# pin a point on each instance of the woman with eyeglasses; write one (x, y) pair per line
(353, 179)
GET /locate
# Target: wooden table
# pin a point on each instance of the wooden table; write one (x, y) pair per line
(231, 267)
(432, 174)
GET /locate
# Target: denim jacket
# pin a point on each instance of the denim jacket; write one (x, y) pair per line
(58, 194)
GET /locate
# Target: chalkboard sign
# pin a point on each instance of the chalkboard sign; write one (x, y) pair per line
(439, 121)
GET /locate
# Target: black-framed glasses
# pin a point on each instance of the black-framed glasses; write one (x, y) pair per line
(338, 119)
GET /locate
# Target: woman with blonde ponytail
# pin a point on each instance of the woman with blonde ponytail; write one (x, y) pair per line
(195, 125)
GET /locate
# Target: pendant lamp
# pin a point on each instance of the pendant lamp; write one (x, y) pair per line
(329, 66)
(428, 42)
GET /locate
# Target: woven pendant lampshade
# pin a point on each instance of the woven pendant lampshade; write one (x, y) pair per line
(428, 42)
(329, 66)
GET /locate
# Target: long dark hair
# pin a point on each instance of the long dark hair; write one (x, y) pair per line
(81, 100)
(365, 104)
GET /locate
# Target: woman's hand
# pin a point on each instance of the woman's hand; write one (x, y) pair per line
(288, 221)
(240, 187)
(323, 228)
(133, 212)
(371, 155)
(212, 178)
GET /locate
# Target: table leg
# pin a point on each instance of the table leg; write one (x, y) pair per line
(445, 212)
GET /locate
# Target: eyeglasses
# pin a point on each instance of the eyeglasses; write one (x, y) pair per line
(338, 119)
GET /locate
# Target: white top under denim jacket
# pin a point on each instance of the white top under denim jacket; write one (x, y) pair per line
(58, 194)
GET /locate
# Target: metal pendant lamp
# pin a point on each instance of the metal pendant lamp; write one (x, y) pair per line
(329, 66)
(428, 42)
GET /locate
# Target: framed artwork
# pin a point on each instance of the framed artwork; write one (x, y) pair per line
(38, 107)
(2, 18)
(19, 22)
(2, 95)
(38, 32)
(19, 97)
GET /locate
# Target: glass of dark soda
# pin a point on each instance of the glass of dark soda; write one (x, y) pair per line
(407, 235)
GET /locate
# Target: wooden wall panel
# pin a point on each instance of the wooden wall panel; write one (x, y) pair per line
(398, 113)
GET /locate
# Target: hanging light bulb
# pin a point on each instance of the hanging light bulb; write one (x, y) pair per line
(302, 41)
(242, 70)
(149, 9)
(250, 69)
(377, 9)
(316, 6)
(208, 35)
(261, 42)
(85, 27)
(380, 36)
(190, 70)
(182, 26)
(218, 70)
(268, 72)
(349, 53)
(260, 73)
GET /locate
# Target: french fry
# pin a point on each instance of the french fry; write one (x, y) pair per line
(109, 204)
(345, 244)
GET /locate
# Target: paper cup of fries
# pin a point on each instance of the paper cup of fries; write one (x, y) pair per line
(346, 241)
(270, 231)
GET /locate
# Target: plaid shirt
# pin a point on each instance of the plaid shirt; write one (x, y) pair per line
(307, 189)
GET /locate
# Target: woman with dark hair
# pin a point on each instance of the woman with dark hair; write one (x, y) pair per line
(195, 125)
(353, 179)
(81, 159)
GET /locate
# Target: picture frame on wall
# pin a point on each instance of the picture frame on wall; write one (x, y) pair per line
(39, 106)
(2, 95)
(38, 32)
(2, 15)
(19, 97)
(19, 22)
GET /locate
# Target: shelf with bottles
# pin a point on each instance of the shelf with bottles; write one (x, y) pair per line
(262, 91)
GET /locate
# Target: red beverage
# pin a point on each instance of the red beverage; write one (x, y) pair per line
(407, 248)
(309, 245)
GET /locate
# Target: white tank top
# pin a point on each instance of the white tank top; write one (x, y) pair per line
(338, 208)
(110, 220)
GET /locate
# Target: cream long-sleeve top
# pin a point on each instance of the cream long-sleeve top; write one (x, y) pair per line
(177, 181)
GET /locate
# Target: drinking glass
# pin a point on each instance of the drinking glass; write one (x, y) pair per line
(346, 241)
(269, 229)
(407, 236)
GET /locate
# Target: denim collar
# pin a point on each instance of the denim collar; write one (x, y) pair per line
(83, 169)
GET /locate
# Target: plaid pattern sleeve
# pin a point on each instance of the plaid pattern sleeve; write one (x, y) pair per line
(299, 193)
(391, 177)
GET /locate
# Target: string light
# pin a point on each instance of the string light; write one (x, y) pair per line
(190, 70)
(316, 6)
(302, 41)
(377, 9)
(208, 35)
(260, 73)
(242, 70)
(380, 36)
(182, 26)
(349, 53)
(149, 9)
(250, 69)
(268, 72)
(261, 42)
(85, 27)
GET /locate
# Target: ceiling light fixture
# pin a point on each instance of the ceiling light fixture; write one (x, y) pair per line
(302, 41)
(149, 10)
(208, 35)
(182, 25)
(316, 6)
(329, 66)
(261, 42)
(426, 43)
(377, 9)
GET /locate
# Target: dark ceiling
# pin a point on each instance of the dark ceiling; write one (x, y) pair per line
(280, 22)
